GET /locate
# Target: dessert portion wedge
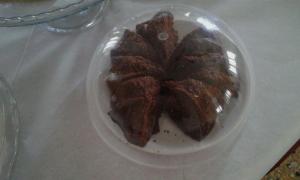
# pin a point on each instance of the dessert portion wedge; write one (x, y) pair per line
(132, 44)
(136, 108)
(191, 106)
(160, 33)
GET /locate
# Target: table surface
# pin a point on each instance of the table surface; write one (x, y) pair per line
(57, 141)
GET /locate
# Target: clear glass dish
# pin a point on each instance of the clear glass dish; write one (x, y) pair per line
(174, 148)
(28, 12)
(9, 128)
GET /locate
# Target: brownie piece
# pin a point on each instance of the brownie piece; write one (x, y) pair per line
(160, 33)
(192, 107)
(136, 108)
(137, 120)
(132, 44)
(137, 87)
(197, 43)
(219, 79)
(174, 109)
(187, 65)
(113, 79)
(135, 64)
(199, 33)
(129, 67)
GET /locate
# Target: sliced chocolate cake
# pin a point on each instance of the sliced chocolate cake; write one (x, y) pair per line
(150, 73)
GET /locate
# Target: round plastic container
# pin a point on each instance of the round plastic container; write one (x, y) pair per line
(60, 15)
(174, 148)
(9, 127)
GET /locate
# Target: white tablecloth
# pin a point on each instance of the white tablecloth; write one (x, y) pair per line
(57, 141)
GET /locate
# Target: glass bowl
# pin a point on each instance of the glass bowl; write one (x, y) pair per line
(9, 127)
(174, 148)
(61, 15)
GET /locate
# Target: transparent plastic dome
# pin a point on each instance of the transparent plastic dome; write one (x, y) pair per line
(220, 50)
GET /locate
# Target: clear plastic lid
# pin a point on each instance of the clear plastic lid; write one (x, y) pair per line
(171, 81)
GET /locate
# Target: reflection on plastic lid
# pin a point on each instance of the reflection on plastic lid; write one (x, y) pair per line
(187, 14)
(219, 109)
(205, 22)
(228, 95)
(230, 55)
(111, 43)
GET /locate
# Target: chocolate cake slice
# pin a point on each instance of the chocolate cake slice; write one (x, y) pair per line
(113, 79)
(187, 65)
(138, 87)
(135, 64)
(160, 33)
(132, 44)
(136, 108)
(129, 67)
(197, 47)
(199, 33)
(197, 43)
(192, 107)
(219, 79)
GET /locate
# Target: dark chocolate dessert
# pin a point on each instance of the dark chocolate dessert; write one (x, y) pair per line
(152, 73)
(136, 108)
(132, 44)
(161, 35)
(197, 112)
